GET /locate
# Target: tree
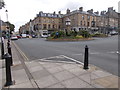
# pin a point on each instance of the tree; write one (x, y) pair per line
(10, 26)
(2, 4)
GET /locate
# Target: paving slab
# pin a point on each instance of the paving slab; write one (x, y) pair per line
(75, 83)
(101, 73)
(89, 77)
(35, 68)
(77, 71)
(22, 85)
(40, 74)
(20, 76)
(63, 75)
(58, 85)
(55, 69)
(69, 66)
(31, 64)
(46, 81)
(0, 78)
(50, 65)
(107, 82)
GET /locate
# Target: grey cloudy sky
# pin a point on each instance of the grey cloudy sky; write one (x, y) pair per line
(21, 11)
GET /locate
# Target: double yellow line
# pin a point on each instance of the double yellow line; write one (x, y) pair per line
(20, 51)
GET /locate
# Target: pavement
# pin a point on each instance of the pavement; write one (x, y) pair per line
(43, 73)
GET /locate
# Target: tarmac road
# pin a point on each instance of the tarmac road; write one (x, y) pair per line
(102, 51)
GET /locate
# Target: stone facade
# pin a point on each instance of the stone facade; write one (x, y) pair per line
(3, 27)
(79, 20)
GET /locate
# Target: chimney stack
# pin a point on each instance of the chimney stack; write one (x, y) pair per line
(54, 13)
(59, 12)
(91, 10)
(81, 9)
(68, 11)
(96, 13)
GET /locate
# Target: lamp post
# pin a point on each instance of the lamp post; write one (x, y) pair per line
(8, 29)
(30, 29)
(67, 23)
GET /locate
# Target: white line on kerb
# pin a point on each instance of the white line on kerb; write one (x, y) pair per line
(72, 59)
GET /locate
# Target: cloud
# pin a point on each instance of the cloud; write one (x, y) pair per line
(72, 5)
(24, 10)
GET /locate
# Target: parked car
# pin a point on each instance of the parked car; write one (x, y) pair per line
(18, 36)
(14, 37)
(113, 33)
(34, 36)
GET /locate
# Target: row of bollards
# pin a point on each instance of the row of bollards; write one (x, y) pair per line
(8, 62)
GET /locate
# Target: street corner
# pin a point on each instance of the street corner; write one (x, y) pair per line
(107, 82)
(93, 68)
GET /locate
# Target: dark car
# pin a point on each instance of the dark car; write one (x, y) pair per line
(18, 36)
(34, 36)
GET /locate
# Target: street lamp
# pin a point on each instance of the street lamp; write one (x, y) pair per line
(8, 29)
(67, 23)
(30, 29)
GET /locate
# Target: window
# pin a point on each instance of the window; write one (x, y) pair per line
(88, 24)
(83, 17)
(84, 23)
(53, 26)
(49, 26)
(81, 23)
(44, 26)
(93, 18)
(88, 17)
(59, 26)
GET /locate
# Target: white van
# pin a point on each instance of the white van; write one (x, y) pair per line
(44, 33)
(24, 35)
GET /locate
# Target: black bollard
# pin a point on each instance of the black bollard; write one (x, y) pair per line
(2, 49)
(9, 51)
(8, 43)
(8, 70)
(86, 58)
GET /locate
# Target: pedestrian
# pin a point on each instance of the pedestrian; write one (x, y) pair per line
(57, 34)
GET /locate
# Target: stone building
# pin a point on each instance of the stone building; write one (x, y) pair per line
(119, 20)
(78, 20)
(3, 27)
(81, 20)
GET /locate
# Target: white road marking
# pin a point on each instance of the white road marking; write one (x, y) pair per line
(118, 52)
(95, 53)
(78, 54)
(73, 59)
(110, 52)
(55, 61)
